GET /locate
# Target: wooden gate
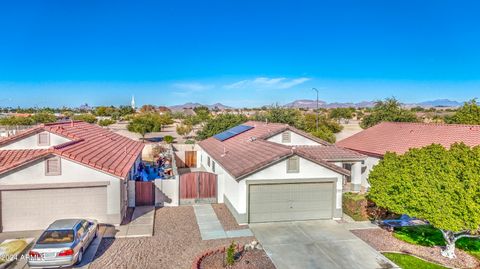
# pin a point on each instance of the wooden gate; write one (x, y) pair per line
(190, 158)
(198, 188)
(144, 193)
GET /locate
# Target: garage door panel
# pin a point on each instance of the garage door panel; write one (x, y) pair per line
(292, 201)
(36, 209)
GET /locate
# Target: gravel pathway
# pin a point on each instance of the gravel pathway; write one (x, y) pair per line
(384, 241)
(226, 218)
(175, 244)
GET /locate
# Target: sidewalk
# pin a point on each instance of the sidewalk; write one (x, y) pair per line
(141, 224)
(211, 228)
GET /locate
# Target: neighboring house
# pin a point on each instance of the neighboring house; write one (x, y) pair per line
(399, 137)
(65, 170)
(275, 172)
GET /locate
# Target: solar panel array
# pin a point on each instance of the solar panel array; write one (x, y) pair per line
(232, 132)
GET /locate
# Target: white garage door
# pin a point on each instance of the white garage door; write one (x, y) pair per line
(286, 202)
(36, 209)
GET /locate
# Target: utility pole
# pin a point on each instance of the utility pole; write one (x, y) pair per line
(317, 109)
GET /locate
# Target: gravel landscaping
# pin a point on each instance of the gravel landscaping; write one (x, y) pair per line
(384, 241)
(175, 244)
(226, 218)
(254, 259)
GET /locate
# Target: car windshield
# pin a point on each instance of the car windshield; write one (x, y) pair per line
(56, 237)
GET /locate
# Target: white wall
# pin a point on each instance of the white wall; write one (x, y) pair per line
(71, 172)
(295, 139)
(31, 142)
(370, 162)
(236, 192)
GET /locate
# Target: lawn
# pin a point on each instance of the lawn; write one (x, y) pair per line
(410, 262)
(426, 235)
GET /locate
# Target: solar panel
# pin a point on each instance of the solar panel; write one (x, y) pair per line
(232, 132)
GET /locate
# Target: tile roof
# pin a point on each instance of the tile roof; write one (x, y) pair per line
(90, 145)
(10, 159)
(249, 152)
(400, 137)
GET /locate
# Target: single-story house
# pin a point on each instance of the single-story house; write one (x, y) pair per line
(65, 170)
(275, 172)
(399, 137)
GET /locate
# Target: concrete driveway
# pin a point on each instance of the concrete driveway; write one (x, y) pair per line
(316, 244)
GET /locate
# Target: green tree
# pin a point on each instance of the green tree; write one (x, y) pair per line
(277, 114)
(324, 133)
(86, 117)
(469, 113)
(202, 113)
(12, 121)
(44, 117)
(340, 113)
(388, 110)
(435, 184)
(106, 122)
(309, 123)
(148, 122)
(219, 124)
(184, 129)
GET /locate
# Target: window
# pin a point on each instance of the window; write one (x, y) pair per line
(208, 161)
(286, 137)
(56, 237)
(293, 164)
(43, 139)
(213, 166)
(53, 167)
(80, 231)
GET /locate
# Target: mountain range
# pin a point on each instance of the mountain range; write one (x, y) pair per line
(323, 104)
(194, 105)
(305, 103)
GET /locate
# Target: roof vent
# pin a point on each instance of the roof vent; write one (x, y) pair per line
(224, 152)
(252, 138)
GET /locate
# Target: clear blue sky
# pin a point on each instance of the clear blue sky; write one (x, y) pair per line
(241, 53)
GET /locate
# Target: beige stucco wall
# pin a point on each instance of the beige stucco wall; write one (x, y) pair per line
(236, 191)
(34, 173)
(31, 142)
(369, 163)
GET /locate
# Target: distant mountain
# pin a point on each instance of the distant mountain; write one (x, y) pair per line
(322, 104)
(194, 105)
(305, 104)
(440, 103)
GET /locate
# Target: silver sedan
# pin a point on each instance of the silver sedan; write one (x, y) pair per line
(63, 243)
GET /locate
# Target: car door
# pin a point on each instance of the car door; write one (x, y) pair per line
(89, 230)
(81, 236)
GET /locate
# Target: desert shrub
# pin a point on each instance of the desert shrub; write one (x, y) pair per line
(168, 139)
(230, 254)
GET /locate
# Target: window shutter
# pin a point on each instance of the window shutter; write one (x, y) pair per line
(293, 165)
(213, 166)
(286, 137)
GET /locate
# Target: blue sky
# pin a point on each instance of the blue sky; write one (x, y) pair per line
(241, 53)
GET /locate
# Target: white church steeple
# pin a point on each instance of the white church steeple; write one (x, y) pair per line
(133, 102)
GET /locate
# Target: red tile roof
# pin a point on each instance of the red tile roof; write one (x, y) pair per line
(400, 137)
(10, 159)
(91, 145)
(249, 152)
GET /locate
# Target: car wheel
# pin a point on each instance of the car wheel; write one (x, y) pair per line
(80, 256)
(96, 233)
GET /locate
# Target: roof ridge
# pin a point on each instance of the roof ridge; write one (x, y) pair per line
(428, 123)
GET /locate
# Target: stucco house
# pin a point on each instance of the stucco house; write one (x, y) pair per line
(275, 172)
(399, 137)
(65, 170)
